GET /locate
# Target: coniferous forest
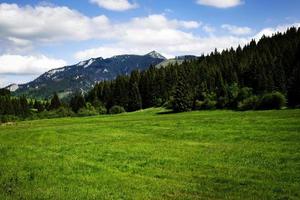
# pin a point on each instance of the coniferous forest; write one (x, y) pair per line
(260, 75)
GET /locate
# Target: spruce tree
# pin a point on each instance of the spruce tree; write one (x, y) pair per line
(120, 92)
(55, 102)
(24, 106)
(135, 100)
(38, 106)
(77, 102)
(182, 100)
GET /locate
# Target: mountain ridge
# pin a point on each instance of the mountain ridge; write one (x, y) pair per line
(84, 74)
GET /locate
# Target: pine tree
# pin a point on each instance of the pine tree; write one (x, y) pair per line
(183, 100)
(77, 102)
(24, 106)
(4, 92)
(120, 92)
(55, 102)
(135, 100)
(38, 106)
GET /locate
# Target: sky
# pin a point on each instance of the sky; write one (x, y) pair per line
(36, 36)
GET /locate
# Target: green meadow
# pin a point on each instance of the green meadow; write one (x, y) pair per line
(153, 155)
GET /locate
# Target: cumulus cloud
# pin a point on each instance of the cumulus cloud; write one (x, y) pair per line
(116, 5)
(272, 30)
(220, 3)
(159, 21)
(142, 35)
(29, 26)
(24, 26)
(236, 30)
(32, 65)
(104, 52)
(8, 79)
(208, 29)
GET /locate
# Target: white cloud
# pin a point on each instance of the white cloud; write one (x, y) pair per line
(18, 64)
(143, 34)
(169, 37)
(104, 52)
(220, 3)
(24, 26)
(272, 30)
(8, 79)
(190, 24)
(28, 27)
(236, 30)
(116, 5)
(183, 45)
(159, 21)
(208, 29)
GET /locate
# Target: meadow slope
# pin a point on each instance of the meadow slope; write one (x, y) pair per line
(146, 155)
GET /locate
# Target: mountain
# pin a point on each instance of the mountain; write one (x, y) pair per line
(178, 59)
(12, 87)
(155, 54)
(83, 75)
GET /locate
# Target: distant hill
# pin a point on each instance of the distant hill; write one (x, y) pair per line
(84, 75)
(177, 60)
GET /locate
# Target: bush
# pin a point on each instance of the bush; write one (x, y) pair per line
(158, 102)
(86, 112)
(8, 118)
(198, 105)
(116, 110)
(167, 104)
(274, 100)
(209, 104)
(60, 112)
(244, 93)
(101, 110)
(89, 110)
(205, 105)
(250, 103)
(64, 112)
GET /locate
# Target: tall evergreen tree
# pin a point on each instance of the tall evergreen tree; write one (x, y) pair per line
(183, 100)
(38, 106)
(77, 102)
(55, 102)
(135, 99)
(120, 91)
(24, 106)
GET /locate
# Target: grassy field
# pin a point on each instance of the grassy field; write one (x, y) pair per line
(146, 155)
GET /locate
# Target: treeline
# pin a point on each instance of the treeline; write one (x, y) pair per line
(256, 76)
(20, 108)
(261, 75)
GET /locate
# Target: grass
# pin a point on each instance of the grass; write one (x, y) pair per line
(145, 155)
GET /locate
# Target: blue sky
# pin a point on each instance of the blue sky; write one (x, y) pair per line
(36, 36)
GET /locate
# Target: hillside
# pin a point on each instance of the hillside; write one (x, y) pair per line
(85, 74)
(146, 155)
